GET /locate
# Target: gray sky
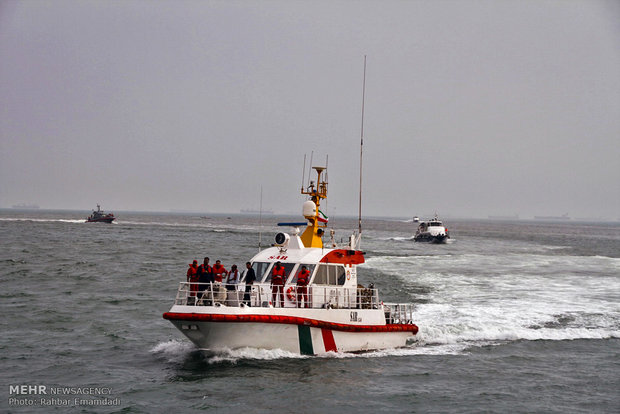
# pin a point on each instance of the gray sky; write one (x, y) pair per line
(472, 107)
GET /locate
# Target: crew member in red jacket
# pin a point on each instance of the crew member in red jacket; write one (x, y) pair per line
(192, 278)
(277, 284)
(302, 286)
(219, 271)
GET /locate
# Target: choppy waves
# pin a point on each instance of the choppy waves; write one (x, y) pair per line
(475, 299)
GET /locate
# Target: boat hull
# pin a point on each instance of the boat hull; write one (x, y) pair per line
(101, 220)
(303, 331)
(429, 238)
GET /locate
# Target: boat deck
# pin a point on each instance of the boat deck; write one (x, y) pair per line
(319, 297)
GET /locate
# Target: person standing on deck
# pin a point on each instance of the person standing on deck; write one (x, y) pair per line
(192, 278)
(250, 277)
(219, 271)
(205, 274)
(277, 284)
(233, 278)
(302, 286)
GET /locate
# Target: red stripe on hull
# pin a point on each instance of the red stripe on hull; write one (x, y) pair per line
(292, 320)
(328, 340)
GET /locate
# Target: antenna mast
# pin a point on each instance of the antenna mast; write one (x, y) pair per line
(361, 152)
(260, 219)
(303, 174)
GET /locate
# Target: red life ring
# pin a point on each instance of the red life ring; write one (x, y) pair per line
(290, 294)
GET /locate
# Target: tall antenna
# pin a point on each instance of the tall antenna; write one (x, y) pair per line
(326, 167)
(361, 152)
(260, 219)
(303, 174)
(310, 167)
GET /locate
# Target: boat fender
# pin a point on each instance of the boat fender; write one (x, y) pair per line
(290, 294)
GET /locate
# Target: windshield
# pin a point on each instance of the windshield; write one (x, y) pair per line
(287, 271)
(260, 268)
(310, 268)
(330, 275)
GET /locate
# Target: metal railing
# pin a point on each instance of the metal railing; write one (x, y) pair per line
(398, 313)
(261, 295)
(316, 297)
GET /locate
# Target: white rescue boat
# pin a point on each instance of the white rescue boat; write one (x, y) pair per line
(331, 314)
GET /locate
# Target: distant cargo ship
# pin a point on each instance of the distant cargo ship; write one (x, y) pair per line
(553, 218)
(250, 211)
(26, 206)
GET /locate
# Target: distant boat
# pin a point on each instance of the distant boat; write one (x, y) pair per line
(253, 212)
(431, 231)
(99, 216)
(416, 219)
(25, 206)
(553, 218)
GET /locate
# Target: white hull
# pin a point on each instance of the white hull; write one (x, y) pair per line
(304, 331)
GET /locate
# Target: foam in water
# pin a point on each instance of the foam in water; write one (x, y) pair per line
(233, 355)
(174, 350)
(476, 298)
(35, 220)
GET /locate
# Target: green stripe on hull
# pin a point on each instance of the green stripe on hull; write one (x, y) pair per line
(305, 340)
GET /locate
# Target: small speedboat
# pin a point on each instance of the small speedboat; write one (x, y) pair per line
(431, 231)
(99, 216)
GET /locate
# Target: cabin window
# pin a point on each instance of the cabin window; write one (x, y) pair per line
(341, 274)
(330, 275)
(310, 269)
(260, 268)
(287, 271)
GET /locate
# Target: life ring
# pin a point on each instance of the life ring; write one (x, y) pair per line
(290, 294)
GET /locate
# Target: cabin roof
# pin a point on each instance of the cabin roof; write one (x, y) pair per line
(310, 255)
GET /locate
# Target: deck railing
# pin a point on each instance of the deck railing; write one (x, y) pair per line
(317, 297)
(398, 313)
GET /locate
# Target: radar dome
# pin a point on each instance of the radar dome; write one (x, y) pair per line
(309, 209)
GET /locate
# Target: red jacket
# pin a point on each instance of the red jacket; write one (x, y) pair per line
(218, 272)
(192, 273)
(277, 276)
(192, 278)
(303, 278)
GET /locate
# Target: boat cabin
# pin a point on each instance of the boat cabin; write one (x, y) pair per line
(332, 281)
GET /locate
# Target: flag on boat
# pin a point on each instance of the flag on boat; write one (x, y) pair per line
(322, 217)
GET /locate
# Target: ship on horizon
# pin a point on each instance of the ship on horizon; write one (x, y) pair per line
(25, 206)
(553, 218)
(253, 212)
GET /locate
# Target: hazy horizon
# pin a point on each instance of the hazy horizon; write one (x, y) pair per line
(473, 108)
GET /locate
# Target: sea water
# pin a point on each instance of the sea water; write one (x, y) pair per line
(513, 317)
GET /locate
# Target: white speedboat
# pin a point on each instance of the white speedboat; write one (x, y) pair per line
(432, 231)
(332, 314)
